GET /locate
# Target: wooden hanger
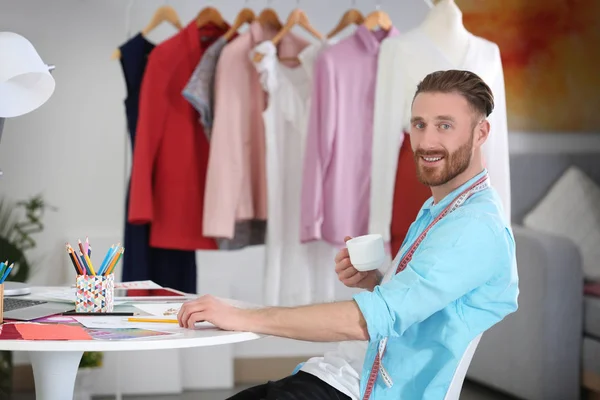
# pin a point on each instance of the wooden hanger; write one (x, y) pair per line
(297, 17)
(163, 14)
(350, 17)
(210, 15)
(246, 15)
(378, 19)
(268, 17)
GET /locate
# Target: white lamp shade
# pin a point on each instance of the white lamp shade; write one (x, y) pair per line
(25, 81)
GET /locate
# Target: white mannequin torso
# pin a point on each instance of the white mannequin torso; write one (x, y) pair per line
(443, 25)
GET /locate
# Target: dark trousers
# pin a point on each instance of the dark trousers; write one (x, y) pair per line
(300, 386)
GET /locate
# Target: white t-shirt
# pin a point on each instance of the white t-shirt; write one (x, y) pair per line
(342, 367)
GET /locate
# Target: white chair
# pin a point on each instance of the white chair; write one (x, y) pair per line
(458, 379)
(461, 371)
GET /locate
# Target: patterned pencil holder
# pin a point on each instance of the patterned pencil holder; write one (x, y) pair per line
(1, 303)
(95, 293)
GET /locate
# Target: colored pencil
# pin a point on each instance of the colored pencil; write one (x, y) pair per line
(112, 268)
(84, 263)
(166, 321)
(104, 264)
(82, 259)
(80, 245)
(7, 273)
(89, 264)
(74, 260)
(80, 264)
(77, 261)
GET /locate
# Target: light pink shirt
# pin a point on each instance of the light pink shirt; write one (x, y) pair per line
(337, 166)
(236, 188)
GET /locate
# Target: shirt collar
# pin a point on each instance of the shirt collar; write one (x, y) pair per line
(436, 209)
(372, 40)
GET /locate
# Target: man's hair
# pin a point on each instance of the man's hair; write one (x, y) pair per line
(466, 83)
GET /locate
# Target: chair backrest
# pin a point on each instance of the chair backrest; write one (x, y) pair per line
(461, 371)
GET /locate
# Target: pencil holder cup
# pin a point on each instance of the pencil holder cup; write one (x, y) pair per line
(2, 303)
(95, 293)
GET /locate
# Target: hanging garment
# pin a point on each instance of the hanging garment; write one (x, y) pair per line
(200, 89)
(295, 273)
(235, 203)
(337, 166)
(200, 92)
(397, 80)
(171, 154)
(409, 195)
(140, 261)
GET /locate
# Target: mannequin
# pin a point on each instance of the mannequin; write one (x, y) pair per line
(440, 42)
(443, 25)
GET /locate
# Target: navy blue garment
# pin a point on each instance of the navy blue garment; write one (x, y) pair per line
(169, 268)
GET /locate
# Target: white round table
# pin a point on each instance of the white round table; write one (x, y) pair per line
(55, 363)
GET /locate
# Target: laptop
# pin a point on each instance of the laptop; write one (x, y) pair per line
(26, 310)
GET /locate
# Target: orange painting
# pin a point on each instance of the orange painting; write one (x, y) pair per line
(551, 57)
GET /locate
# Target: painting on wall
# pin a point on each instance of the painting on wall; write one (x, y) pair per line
(551, 56)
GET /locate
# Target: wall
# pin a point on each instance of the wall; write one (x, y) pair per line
(75, 151)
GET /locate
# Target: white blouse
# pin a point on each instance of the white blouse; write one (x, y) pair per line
(403, 62)
(295, 273)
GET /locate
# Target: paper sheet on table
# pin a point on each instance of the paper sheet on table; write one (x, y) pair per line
(123, 323)
(162, 310)
(126, 333)
(35, 331)
(137, 285)
(170, 310)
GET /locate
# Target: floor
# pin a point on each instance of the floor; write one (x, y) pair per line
(471, 391)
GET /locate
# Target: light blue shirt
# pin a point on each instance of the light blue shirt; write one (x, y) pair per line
(461, 280)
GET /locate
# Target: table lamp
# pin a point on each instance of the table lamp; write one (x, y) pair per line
(25, 80)
(25, 84)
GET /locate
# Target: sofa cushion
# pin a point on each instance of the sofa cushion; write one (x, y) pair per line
(533, 174)
(591, 316)
(570, 209)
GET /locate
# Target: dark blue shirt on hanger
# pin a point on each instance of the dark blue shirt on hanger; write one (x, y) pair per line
(169, 268)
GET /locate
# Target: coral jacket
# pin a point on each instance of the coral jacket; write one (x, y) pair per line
(171, 152)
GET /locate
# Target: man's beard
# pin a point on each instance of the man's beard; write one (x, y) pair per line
(449, 167)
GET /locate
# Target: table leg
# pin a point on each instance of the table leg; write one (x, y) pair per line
(54, 373)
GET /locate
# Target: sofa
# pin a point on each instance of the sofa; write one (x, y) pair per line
(549, 349)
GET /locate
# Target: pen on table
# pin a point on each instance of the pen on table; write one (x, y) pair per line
(100, 314)
(166, 321)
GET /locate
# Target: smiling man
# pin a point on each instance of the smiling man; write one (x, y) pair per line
(454, 277)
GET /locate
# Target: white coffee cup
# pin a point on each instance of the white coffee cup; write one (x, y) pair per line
(366, 252)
